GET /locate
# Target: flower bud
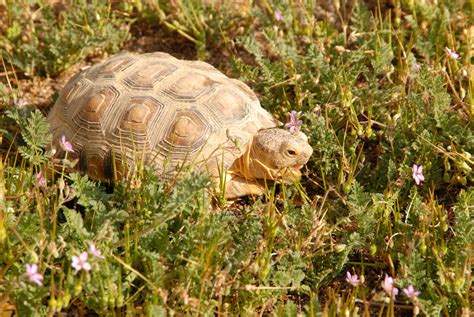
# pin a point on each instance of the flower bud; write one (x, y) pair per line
(119, 300)
(373, 249)
(423, 247)
(111, 300)
(66, 298)
(59, 303)
(463, 165)
(368, 132)
(3, 233)
(416, 310)
(444, 227)
(340, 248)
(61, 184)
(77, 287)
(52, 304)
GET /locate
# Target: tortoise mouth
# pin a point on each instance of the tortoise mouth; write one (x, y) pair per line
(290, 174)
(297, 167)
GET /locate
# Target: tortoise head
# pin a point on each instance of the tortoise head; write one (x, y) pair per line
(277, 154)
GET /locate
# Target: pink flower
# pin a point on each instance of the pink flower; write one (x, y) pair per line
(33, 275)
(21, 103)
(410, 292)
(95, 252)
(80, 262)
(278, 16)
(66, 145)
(40, 179)
(294, 124)
(451, 53)
(352, 279)
(387, 285)
(417, 174)
(416, 67)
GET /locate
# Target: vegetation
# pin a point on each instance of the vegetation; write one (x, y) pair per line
(381, 88)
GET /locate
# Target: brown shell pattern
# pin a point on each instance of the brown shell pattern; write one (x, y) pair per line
(155, 109)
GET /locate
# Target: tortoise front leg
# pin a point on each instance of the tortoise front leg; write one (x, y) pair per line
(236, 187)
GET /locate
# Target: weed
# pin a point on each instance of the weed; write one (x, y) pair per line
(43, 38)
(381, 92)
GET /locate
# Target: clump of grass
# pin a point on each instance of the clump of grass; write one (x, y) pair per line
(45, 38)
(210, 25)
(388, 92)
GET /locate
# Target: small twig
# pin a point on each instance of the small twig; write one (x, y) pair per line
(255, 288)
(5, 74)
(130, 268)
(400, 306)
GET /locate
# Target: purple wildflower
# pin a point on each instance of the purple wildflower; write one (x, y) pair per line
(80, 262)
(352, 279)
(20, 103)
(410, 292)
(294, 123)
(418, 174)
(33, 275)
(95, 252)
(40, 179)
(416, 67)
(66, 144)
(387, 285)
(451, 53)
(278, 16)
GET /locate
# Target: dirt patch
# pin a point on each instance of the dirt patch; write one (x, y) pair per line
(156, 38)
(41, 92)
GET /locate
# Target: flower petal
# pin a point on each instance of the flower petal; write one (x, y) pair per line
(86, 266)
(83, 256)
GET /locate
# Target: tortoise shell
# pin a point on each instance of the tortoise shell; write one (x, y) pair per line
(155, 109)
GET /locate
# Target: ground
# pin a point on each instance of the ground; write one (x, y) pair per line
(381, 86)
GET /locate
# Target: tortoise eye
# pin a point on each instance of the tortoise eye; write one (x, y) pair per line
(290, 153)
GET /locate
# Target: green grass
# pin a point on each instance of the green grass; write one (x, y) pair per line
(379, 92)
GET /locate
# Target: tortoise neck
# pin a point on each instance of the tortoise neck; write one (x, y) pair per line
(247, 165)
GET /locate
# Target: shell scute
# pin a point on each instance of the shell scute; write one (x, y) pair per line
(112, 68)
(245, 89)
(71, 94)
(187, 133)
(139, 114)
(230, 107)
(93, 112)
(189, 87)
(148, 76)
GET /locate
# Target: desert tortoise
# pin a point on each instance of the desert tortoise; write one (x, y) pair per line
(173, 114)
